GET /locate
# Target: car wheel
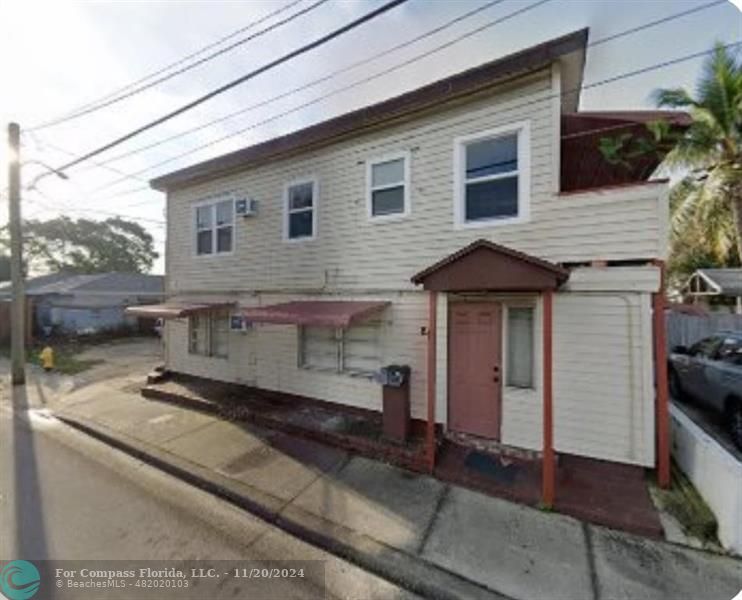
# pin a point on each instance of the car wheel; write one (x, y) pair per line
(676, 388)
(735, 423)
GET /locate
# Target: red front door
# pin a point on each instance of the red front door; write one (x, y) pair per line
(474, 365)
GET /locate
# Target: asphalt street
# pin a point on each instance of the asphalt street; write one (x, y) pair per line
(65, 496)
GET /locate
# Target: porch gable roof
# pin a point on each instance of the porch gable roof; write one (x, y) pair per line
(486, 266)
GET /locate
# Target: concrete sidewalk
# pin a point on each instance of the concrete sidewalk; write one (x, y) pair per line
(436, 539)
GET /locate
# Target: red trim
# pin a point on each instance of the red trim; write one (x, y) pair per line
(660, 377)
(432, 356)
(618, 186)
(548, 468)
(322, 313)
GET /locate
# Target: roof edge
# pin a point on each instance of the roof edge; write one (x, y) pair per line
(430, 95)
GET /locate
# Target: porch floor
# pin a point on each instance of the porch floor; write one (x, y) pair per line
(597, 491)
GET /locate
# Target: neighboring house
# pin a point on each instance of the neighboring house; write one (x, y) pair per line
(66, 303)
(466, 229)
(718, 289)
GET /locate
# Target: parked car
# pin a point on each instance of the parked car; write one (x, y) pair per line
(710, 372)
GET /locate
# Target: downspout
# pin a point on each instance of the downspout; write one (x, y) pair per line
(660, 378)
(548, 468)
(432, 357)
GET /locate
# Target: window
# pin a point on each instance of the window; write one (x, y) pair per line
(301, 211)
(388, 187)
(707, 347)
(354, 350)
(492, 177)
(215, 227)
(208, 334)
(519, 347)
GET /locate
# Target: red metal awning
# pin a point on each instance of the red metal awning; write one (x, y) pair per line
(174, 310)
(325, 313)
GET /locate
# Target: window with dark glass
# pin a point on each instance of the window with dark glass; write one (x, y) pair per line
(491, 178)
(387, 188)
(300, 210)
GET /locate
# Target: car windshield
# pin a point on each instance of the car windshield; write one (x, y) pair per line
(706, 347)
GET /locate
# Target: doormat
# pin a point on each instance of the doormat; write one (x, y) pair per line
(491, 466)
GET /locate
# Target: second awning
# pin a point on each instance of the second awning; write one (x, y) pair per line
(323, 313)
(174, 310)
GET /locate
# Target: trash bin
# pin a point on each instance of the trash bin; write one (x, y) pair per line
(395, 380)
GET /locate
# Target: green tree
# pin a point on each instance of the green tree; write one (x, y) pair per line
(86, 246)
(711, 149)
(702, 232)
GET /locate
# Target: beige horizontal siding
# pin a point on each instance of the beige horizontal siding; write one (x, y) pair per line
(351, 253)
(603, 396)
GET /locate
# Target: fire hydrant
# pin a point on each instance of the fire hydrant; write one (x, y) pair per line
(47, 358)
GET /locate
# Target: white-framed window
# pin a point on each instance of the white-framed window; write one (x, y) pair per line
(353, 351)
(520, 346)
(208, 334)
(492, 177)
(300, 210)
(214, 226)
(388, 187)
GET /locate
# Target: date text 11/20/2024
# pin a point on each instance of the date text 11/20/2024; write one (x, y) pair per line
(195, 573)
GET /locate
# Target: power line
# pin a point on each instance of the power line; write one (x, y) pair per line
(404, 64)
(337, 91)
(220, 90)
(313, 83)
(163, 78)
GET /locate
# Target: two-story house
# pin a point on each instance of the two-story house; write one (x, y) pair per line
(469, 229)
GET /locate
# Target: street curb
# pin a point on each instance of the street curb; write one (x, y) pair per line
(409, 572)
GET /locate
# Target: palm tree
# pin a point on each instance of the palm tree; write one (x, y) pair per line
(711, 149)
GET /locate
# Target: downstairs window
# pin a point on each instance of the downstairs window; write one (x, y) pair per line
(354, 351)
(208, 334)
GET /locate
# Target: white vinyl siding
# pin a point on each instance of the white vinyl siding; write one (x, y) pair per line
(351, 254)
(353, 351)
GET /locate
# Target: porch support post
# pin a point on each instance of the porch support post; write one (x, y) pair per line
(432, 356)
(548, 468)
(660, 379)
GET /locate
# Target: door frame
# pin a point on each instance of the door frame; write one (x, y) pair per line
(449, 379)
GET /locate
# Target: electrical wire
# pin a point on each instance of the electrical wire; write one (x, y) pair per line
(399, 66)
(240, 80)
(131, 89)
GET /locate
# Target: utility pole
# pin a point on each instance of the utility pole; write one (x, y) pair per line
(17, 306)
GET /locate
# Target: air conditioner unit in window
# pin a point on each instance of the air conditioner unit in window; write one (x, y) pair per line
(239, 323)
(247, 207)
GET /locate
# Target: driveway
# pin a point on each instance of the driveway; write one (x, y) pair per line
(124, 367)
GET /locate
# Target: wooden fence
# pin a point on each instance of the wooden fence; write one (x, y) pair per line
(684, 329)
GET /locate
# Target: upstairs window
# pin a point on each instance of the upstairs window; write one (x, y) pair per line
(301, 211)
(215, 227)
(388, 187)
(492, 177)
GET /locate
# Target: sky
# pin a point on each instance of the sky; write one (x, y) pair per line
(59, 55)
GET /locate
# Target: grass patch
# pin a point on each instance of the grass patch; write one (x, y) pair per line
(66, 360)
(683, 502)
